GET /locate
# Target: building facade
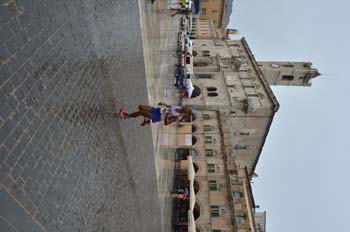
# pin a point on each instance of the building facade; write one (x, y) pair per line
(227, 133)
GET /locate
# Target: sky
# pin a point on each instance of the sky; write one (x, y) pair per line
(303, 182)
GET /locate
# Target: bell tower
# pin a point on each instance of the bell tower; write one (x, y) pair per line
(288, 73)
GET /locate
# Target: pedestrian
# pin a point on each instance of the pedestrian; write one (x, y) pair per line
(167, 113)
(189, 90)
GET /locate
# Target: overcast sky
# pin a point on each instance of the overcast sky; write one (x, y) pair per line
(303, 181)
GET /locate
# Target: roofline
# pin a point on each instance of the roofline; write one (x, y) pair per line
(250, 187)
(262, 77)
(261, 147)
(272, 96)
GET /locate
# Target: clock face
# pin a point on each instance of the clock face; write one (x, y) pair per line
(274, 65)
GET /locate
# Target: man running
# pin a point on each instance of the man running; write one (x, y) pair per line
(167, 113)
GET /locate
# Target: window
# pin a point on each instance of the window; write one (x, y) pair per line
(213, 94)
(209, 152)
(244, 133)
(288, 65)
(208, 139)
(214, 11)
(200, 64)
(188, 60)
(215, 212)
(249, 86)
(237, 194)
(233, 45)
(253, 95)
(241, 217)
(211, 89)
(206, 116)
(287, 77)
(203, 45)
(204, 11)
(213, 185)
(246, 78)
(238, 206)
(204, 76)
(211, 168)
(216, 230)
(241, 147)
(207, 128)
(206, 54)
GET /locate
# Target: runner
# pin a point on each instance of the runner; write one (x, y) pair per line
(167, 113)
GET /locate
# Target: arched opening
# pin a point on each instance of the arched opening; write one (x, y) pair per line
(196, 211)
(195, 166)
(196, 186)
(194, 140)
(196, 92)
(193, 153)
(213, 94)
(211, 89)
(184, 152)
(194, 128)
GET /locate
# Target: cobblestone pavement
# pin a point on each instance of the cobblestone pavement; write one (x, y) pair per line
(67, 163)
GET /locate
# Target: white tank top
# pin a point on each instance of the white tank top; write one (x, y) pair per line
(170, 111)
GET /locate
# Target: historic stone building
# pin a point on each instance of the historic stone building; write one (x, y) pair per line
(229, 129)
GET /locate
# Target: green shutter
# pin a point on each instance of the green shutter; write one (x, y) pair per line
(209, 152)
(213, 185)
(215, 211)
(211, 168)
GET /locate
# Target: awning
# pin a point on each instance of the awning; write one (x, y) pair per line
(191, 173)
(191, 222)
(190, 169)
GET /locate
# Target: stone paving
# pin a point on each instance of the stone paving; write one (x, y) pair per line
(67, 163)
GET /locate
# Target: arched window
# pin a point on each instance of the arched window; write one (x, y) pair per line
(200, 64)
(193, 152)
(204, 76)
(213, 94)
(211, 89)
(237, 194)
(287, 77)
